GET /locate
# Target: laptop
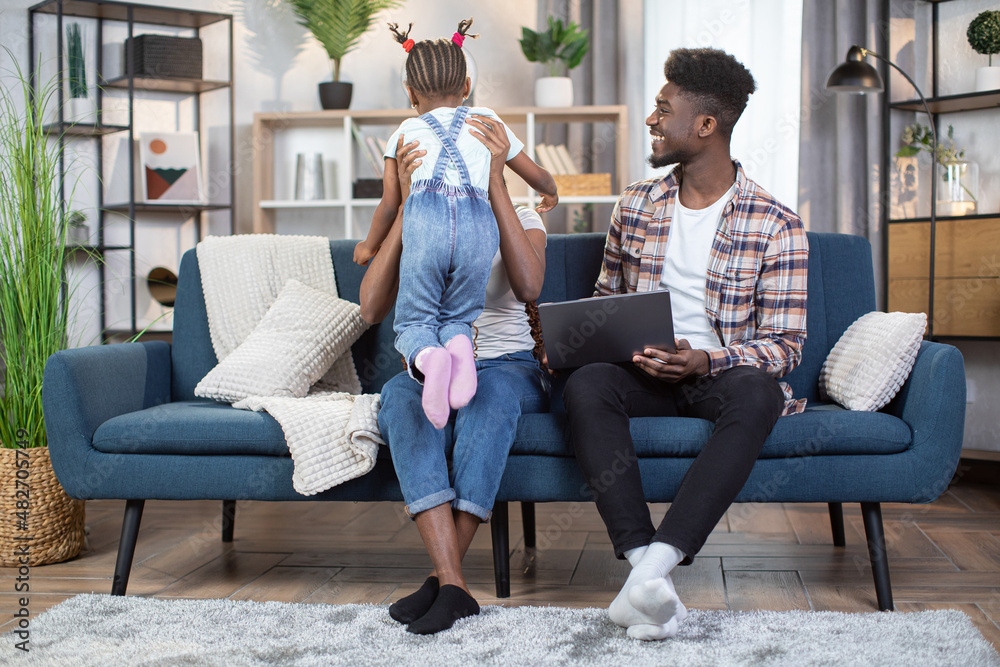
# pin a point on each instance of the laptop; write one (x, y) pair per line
(608, 328)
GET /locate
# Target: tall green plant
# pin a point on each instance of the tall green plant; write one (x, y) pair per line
(33, 300)
(77, 69)
(339, 24)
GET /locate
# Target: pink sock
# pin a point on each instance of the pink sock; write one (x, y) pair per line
(463, 372)
(436, 367)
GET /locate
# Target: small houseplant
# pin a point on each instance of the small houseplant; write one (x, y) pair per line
(561, 47)
(956, 195)
(34, 316)
(984, 37)
(339, 25)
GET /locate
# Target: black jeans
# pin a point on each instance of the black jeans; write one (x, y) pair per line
(744, 402)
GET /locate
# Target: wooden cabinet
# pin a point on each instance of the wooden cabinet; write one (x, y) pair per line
(275, 146)
(966, 273)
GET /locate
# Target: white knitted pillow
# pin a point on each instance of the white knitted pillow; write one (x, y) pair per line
(299, 338)
(872, 360)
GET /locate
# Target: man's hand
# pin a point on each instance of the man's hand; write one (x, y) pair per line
(673, 367)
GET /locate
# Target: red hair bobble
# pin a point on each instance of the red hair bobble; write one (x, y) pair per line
(458, 38)
(407, 45)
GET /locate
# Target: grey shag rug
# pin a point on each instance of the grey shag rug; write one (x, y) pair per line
(102, 630)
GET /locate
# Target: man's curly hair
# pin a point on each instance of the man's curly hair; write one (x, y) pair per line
(717, 83)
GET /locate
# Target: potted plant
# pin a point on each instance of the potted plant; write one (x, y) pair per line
(339, 25)
(957, 194)
(984, 37)
(561, 47)
(34, 307)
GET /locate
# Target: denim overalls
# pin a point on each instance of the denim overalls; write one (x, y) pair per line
(450, 237)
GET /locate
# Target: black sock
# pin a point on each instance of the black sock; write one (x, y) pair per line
(415, 605)
(452, 603)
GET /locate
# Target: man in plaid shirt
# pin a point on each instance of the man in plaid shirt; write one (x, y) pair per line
(735, 262)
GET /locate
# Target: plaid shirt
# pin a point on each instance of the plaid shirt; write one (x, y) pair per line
(755, 291)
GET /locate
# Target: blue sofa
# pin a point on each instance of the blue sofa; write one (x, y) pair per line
(123, 421)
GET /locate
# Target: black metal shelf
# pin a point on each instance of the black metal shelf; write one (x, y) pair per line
(82, 129)
(166, 208)
(953, 103)
(948, 218)
(132, 16)
(118, 11)
(172, 84)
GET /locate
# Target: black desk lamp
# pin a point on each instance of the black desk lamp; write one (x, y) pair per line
(856, 76)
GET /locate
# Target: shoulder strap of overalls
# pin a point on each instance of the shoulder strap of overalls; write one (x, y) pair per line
(449, 149)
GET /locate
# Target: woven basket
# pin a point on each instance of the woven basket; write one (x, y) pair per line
(577, 185)
(55, 522)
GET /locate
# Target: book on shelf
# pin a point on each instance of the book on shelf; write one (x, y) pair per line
(367, 150)
(556, 159)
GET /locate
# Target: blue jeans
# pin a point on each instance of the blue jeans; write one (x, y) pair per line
(449, 239)
(482, 434)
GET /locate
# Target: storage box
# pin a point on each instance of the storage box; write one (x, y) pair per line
(367, 188)
(166, 56)
(578, 185)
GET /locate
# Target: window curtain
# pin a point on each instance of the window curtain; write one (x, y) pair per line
(840, 135)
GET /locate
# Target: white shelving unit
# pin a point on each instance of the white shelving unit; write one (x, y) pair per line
(279, 136)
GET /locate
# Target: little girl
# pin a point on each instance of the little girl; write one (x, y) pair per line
(450, 235)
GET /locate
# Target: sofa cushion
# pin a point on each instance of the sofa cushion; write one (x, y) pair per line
(212, 429)
(822, 429)
(192, 427)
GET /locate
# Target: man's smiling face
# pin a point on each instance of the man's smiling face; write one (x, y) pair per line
(672, 128)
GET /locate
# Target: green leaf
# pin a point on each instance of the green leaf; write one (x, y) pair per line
(907, 151)
(564, 43)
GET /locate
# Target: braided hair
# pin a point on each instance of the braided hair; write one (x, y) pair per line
(435, 67)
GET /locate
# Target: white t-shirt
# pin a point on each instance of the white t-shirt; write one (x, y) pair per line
(685, 269)
(477, 156)
(503, 326)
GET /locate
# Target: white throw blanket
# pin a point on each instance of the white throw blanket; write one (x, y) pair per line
(332, 433)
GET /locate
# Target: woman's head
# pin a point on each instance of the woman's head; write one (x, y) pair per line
(435, 67)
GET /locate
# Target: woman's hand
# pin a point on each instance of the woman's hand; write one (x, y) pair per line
(407, 160)
(491, 132)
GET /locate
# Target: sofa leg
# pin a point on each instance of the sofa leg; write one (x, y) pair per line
(501, 551)
(837, 524)
(126, 545)
(872, 514)
(528, 519)
(228, 519)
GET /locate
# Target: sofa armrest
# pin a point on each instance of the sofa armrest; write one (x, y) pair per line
(932, 403)
(84, 387)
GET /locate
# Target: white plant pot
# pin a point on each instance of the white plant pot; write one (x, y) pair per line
(987, 78)
(79, 110)
(554, 91)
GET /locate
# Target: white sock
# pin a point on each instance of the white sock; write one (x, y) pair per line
(649, 632)
(635, 555)
(657, 604)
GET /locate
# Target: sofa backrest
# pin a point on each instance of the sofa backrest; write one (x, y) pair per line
(841, 289)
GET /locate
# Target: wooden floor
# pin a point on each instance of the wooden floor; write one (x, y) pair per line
(943, 555)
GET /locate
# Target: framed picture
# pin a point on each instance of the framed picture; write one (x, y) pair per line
(169, 168)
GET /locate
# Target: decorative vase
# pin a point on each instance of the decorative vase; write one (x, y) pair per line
(987, 78)
(38, 520)
(554, 91)
(335, 94)
(958, 188)
(79, 110)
